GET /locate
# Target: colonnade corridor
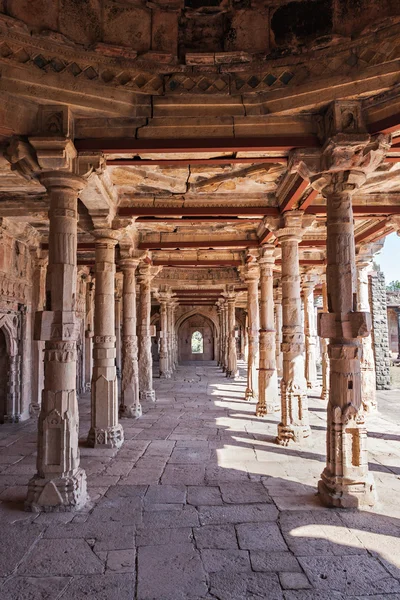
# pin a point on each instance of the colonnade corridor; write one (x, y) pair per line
(201, 503)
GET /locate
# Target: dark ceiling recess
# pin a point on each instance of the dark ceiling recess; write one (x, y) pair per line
(299, 22)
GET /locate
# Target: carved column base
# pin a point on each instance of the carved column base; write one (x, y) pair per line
(266, 409)
(292, 433)
(110, 437)
(147, 395)
(34, 410)
(337, 492)
(130, 412)
(231, 374)
(15, 418)
(166, 375)
(324, 394)
(63, 494)
(249, 395)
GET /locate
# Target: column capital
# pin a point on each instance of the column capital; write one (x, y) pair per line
(108, 236)
(292, 225)
(309, 279)
(129, 264)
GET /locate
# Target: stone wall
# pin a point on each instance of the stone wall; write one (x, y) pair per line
(380, 335)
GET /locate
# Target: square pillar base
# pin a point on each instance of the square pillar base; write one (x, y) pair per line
(148, 395)
(335, 492)
(63, 494)
(130, 412)
(292, 433)
(110, 437)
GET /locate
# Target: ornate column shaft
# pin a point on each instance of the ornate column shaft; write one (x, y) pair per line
(368, 376)
(218, 305)
(60, 483)
(324, 349)
(89, 333)
(145, 359)
(38, 301)
(130, 404)
(172, 341)
(252, 278)
(268, 395)
(309, 282)
(231, 368)
(398, 331)
(166, 346)
(105, 430)
(224, 307)
(294, 424)
(278, 330)
(118, 353)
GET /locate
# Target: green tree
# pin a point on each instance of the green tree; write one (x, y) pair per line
(393, 286)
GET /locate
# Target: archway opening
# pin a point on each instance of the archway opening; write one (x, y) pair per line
(4, 367)
(197, 343)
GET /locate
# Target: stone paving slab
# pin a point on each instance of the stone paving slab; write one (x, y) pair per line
(200, 504)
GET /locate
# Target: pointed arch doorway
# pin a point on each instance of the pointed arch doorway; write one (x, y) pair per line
(196, 339)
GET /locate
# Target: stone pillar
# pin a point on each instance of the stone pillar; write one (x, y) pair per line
(309, 282)
(224, 307)
(348, 154)
(105, 430)
(167, 342)
(252, 278)
(145, 359)
(38, 303)
(324, 349)
(294, 424)
(398, 331)
(345, 482)
(130, 404)
(268, 395)
(380, 334)
(278, 330)
(368, 378)
(89, 333)
(218, 305)
(172, 341)
(60, 483)
(231, 366)
(118, 354)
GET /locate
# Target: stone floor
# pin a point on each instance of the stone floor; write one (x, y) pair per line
(200, 503)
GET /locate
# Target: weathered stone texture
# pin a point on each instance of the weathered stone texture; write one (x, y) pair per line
(380, 333)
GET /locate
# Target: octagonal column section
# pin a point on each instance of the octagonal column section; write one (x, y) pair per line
(60, 483)
(218, 306)
(294, 423)
(231, 367)
(224, 307)
(145, 278)
(368, 376)
(268, 394)
(252, 278)
(105, 430)
(172, 340)
(278, 330)
(324, 349)
(310, 332)
(166, 345)
(130, 404)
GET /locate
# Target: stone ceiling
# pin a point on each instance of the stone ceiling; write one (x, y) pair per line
(197, 111)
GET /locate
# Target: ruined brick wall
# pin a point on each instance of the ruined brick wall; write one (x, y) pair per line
(380, 334)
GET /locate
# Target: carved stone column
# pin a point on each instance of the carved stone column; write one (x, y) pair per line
(278, 330)
(294, 424)
(324, 349)
(268, 394)
(309, 283)
(398, 331)
(89, 333)
(345, 481)
(231, 368)
(38, 303)
(118, 353)
(368, 376)
(130, 404)
(218, 305)
(252, 278)
(60, 483)
(224, 307)
(145, 359)
(172, 341)
(166, 346)
(105, 430)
